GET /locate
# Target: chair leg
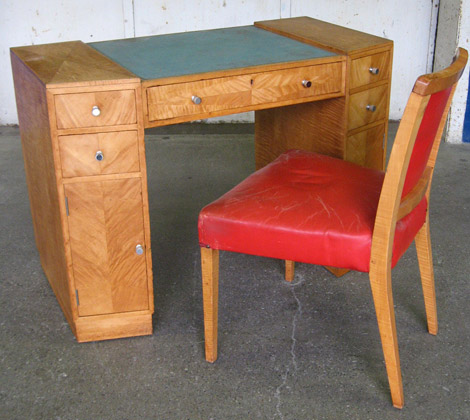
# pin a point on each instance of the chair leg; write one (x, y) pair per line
(210, 295)
(290, 270)
(423, 249)
(380, 282)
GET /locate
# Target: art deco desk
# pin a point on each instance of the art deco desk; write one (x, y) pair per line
(83, 109)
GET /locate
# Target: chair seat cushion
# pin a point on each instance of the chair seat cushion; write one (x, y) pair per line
(305, 207)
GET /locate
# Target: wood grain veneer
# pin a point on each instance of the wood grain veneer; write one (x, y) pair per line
(43, 186)
(120, 152)
(175, 100)
(359, 115)
(323, 34)
(71, 63)
(366, 147)
(314, 126)
(360, 69)
(88, 215)
(116, 107)
(105, 225)
(362, 87)
(171, 103)
(283, 85)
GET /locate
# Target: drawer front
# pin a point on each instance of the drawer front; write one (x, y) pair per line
(366, 147)
(200, 97)
(95, 109)
(99, 154)
(370, 69)
(367, 106)
(297, 83)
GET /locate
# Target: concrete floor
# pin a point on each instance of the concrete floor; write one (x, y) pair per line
(307, 350)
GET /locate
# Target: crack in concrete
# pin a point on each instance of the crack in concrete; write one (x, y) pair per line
(293, 359)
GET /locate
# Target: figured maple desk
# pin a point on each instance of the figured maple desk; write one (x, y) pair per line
(83, 109)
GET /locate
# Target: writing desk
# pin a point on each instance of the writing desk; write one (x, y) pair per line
(83, 109)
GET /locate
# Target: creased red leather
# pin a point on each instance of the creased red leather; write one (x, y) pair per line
(425, 137)
(305, 207)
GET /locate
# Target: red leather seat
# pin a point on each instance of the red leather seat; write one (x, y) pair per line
(305, 207)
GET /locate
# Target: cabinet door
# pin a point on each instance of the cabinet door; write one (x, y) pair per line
(105, 226)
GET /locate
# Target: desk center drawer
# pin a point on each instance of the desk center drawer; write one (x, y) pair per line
(200, 97)
(296, 83)
(95, 109)
(99, 154)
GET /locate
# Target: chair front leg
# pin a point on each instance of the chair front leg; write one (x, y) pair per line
(423, 249)
(380, 281)
(210, 293)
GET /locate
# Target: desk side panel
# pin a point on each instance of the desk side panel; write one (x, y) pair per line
(31, 100)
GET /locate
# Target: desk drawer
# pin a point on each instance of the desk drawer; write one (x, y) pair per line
(367, 106)
(297, 83)
(366, 148)
(200, 97)
(95, 109)
(370, 69)
(99, 154)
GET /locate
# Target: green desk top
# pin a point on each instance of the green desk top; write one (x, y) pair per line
(160, 56)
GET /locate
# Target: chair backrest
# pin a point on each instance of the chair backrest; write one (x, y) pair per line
(413, 156)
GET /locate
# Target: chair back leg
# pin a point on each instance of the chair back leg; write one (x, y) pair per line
(380, 281)
(210, 295)
(290, 270)
(423, 250)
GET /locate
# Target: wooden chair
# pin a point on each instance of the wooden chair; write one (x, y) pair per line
(316, 209)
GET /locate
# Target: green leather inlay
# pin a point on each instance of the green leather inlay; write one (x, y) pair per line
(155, 57)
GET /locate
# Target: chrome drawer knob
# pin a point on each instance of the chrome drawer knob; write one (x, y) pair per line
(196, 99)
(95, 111)
(99, 156)
(374, 70)
(139, 250)
(371, 108)
(306, 83)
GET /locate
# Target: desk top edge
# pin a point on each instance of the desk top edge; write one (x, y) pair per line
(332, 37)
(76, 64)
(71, 63)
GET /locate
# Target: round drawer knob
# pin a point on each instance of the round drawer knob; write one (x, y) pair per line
(196, 99)
(95, 111)
(371, 108)
(139, 249)
(99, 156)
(374, 70)
(306, 83)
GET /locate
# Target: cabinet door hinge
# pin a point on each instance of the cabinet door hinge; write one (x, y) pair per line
(76, 297)
(383, 142)
(67, 205)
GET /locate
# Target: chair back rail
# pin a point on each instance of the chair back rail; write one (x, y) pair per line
(429, 89)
